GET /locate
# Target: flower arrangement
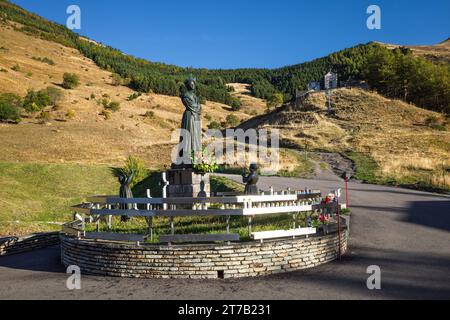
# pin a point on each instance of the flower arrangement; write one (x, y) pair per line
(204, 162)
(324, 219)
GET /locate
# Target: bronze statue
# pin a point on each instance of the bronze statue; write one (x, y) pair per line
(251, 180)
(191, 121)
(125, 191)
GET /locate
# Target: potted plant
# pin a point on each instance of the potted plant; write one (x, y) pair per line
(325, 221)
(203, 162)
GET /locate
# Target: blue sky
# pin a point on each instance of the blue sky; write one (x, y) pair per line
(247, 33)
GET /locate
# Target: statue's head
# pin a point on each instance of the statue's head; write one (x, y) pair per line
(190, 83)
(253, 167)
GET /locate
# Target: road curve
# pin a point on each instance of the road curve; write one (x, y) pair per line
(404, 232)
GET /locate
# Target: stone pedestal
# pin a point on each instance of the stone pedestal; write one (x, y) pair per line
(185, 183)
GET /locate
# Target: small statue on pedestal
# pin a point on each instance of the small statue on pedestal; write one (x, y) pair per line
(125, 191)
(251, 180)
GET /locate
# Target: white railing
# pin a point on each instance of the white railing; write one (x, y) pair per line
(267, 203)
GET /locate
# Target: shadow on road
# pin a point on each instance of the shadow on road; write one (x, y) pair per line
(433, 214)
(43, 260)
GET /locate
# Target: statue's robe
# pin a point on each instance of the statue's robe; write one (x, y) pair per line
(251, 180)
(191, 122)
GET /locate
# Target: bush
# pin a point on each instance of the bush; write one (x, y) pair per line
(149, 114)
(45, 60)
(10, 107)
(113, 106)
(236, 104)
(70, 81)
(36, 100)
(16, 68)
(116, 80)
(134, 96)
(214, 125)
(70, 114)
(232, 120)
(106, 114)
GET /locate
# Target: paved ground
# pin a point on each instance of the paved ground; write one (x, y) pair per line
(404, 232)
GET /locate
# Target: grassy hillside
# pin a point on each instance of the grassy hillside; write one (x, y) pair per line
(36, 197)
(141, 126)
(392, 141)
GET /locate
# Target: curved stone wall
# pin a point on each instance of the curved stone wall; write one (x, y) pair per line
(200, 261)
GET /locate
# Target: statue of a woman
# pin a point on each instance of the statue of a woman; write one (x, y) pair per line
(251, 180)
(191, 122)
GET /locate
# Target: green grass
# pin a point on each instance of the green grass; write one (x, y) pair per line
(200, 225)
(37, 197)
(366, 167)
(304, 168)
(34, 196)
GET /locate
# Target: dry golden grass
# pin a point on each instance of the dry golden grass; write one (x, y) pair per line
(87, 138)
(437, 53)
(395, 134)
(250, 104)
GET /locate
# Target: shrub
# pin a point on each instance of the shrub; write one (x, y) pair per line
(116, 79)
(70, 114)
(29, 74)
(232, 120)
(3, 70)
(10, 107)
(207, 117)
(214, 125)
(149, 114)
(45, 60)
(134, 96)
(36, 100)
(92, 96)
(113, 106)
(236, 104)
(16, 67)
(70, 81)
(106, 114)
(44, 117)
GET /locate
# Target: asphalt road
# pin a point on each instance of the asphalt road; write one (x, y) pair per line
(406, 233)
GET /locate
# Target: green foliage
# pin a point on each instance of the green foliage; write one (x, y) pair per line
(214, 125)
(45, 60)
(275, 101)
(10, 105)
(366, 167)
(236, 104)
(134, 96)
(70, 81)
(113, 106)
(36, 100)
(232, 121)
(399, 74)
(133, 165)
(149, 115)
(16, 67)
